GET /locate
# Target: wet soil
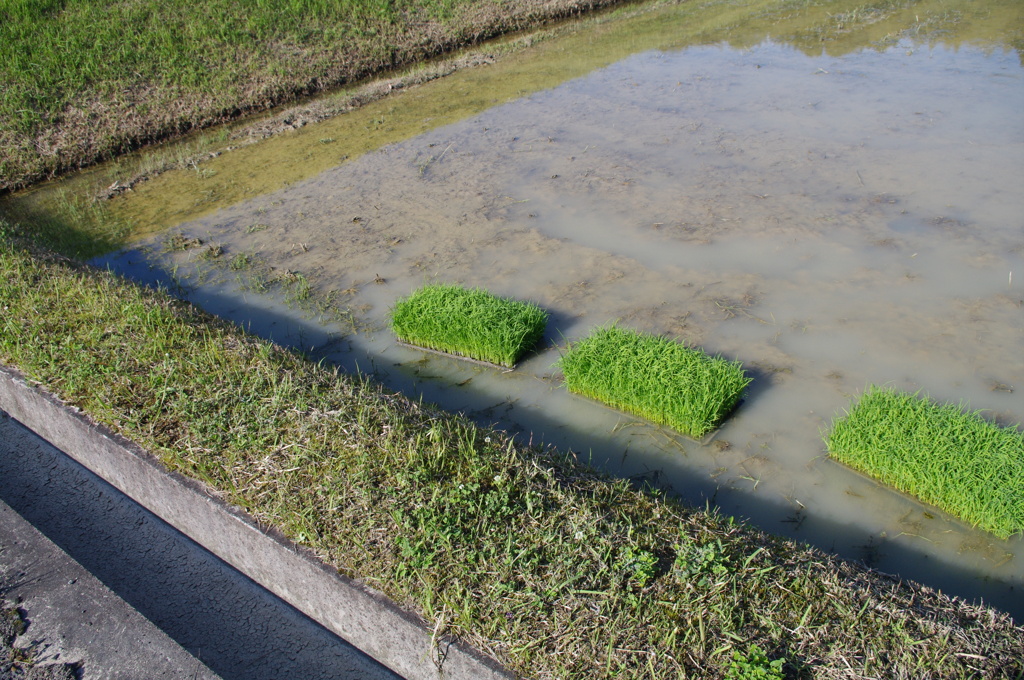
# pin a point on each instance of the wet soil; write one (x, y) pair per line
(291, 118)
(822, 237)
(831, 197)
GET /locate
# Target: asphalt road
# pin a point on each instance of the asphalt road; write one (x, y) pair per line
(107, 585)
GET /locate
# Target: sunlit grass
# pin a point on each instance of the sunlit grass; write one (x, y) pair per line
(952, 458)
(104, 76)
(54, 50)
(468, 322)
(654, 377)
(558, 571)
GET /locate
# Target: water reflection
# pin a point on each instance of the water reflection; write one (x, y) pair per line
(559, 55)
(831, 221)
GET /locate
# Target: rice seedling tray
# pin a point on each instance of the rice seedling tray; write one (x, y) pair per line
(468, 322)
(941, 454)
(661, 380)
(449, 355)
(666, 430)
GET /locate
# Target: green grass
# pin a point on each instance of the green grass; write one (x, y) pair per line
(82, 79)
(556, 570)
(654, 377)
(468, 322)
(946, 456)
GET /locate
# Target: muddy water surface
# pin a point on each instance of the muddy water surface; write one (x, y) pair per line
(831, 218)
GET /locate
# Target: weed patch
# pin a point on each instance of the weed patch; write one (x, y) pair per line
(954, 459)
(468, 322)
(754, 665)
(656, 378)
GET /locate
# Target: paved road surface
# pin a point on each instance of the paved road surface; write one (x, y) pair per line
(114, 588)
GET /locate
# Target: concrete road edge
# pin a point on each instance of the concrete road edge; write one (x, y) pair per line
(366, 618)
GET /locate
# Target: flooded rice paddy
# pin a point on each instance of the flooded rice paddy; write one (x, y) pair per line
(833, 211)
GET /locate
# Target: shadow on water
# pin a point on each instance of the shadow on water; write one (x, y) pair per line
(737, 199)
(72, 225)
(461, 387)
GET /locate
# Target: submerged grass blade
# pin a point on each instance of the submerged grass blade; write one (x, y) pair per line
(946, 456)
(468, 322)
(654, 377)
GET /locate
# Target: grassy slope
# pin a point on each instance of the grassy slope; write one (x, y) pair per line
(82, 80)
(556, 570)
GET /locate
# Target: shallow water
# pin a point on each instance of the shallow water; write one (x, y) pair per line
(830, 221)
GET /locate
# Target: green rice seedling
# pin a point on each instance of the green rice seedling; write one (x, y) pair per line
(468, 322)
(515, 548)
(654, 377)
(946, 456)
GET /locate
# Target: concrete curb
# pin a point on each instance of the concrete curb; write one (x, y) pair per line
(364, 617)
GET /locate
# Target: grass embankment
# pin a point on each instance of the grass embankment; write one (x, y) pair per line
(654, 377)
(956, 460)
(82, 80)
(526, 553)
(468, 322)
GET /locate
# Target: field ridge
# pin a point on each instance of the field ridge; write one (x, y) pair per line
(81, 83)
